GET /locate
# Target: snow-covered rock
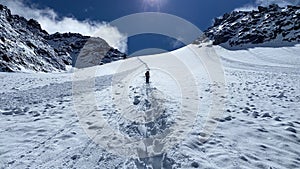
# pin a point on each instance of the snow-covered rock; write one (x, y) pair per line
(25, 46)
(273, 25)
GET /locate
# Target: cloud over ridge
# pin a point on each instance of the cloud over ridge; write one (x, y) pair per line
(250, 7)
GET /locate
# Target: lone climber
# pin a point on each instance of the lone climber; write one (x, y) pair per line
(147, 75)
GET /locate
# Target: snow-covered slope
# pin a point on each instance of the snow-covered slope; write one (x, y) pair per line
(46, 121)
(24, 46)
(206, 107)
(270, 26)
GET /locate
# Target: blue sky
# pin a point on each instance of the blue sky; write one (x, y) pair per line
(198, 12)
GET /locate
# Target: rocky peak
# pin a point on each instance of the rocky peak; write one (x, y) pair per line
(267, 25)
(4, 11)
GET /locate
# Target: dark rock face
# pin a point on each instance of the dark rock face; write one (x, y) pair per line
(267, 24)
(96, 52)
(25, 46)
(67, 46)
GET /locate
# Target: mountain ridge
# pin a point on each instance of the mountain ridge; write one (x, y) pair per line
(275, 25)
(272, 24)
(25, 46)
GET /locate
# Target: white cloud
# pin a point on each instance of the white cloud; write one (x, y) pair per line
(250, 7)
(246, 8)
(278, 2)
(50, 22)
